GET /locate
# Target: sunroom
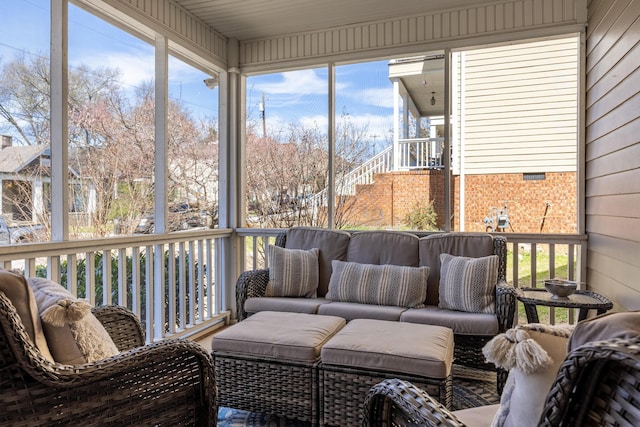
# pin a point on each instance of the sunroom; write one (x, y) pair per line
(515, 117)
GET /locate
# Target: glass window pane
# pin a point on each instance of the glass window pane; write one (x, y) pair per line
(515, 150)
(389, 170)
(287, 149)
(193, 147)
(111, 127)
(24, 115)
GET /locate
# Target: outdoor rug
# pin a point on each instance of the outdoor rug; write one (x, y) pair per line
(471, 388)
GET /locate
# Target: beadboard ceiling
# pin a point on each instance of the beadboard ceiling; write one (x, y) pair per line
(257, 19)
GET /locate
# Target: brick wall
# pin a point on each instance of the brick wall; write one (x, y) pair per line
(526, 201)
(387, 201)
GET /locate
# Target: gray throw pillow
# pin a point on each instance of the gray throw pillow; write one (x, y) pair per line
(292, 272)
(468, 284)
(378, 284)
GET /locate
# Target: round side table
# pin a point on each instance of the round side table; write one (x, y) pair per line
(583, 300)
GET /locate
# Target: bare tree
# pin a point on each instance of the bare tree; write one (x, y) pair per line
(111, 140)
(287, 180)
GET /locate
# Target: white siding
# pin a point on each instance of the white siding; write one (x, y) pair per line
(193, 39)
(613, 151)
(521, 107)
(486, 23)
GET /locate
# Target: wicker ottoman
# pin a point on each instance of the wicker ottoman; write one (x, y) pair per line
(366, 352)
(268, 363)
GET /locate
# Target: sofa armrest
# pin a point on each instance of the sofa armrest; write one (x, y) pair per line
(252, 283)
(397, 402)
(505, 306)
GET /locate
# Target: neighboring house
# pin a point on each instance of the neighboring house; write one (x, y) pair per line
(514, 139)
(25, 179)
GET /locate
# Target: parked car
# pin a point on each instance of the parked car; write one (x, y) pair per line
(12, 232)
(180, 217)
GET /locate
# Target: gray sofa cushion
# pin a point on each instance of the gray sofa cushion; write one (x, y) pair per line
(378, 284)
(282, 336)
(291, 305)
(332, 244)
(356, 346)
(384, 247)
(462, 323)
(354, 310)
(473, 245)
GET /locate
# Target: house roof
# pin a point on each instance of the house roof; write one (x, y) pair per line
(251, 19)
(15, 158)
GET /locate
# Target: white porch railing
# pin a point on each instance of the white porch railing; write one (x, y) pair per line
(121, 270)
(420, 153)
(116, 271)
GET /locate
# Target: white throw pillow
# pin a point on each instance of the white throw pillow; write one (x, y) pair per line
(468, 284)
(74, 335)
(292, 272)
(533, 354)
(395, 285)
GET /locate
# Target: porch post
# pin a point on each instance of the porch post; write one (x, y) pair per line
(447, 140)
(160, 181)
(59, 123)
(396, 124)
(331, 189)
(231, 180)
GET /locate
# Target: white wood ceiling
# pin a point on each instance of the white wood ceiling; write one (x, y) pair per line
(257, 19)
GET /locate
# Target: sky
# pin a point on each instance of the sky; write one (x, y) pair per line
(363, 91)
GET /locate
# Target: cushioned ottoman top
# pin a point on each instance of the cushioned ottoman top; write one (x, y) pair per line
(379, 345)
(282, 336)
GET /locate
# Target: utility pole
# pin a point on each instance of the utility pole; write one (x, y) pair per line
(262, 108)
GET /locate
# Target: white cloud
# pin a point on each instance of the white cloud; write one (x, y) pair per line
(135, 68)
(378, 97)
(302, 82)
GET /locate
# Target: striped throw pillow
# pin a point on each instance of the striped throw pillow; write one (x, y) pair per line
(468, 284)
(378, 284)
(292, 272)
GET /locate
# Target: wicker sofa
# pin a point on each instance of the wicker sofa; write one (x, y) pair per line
(471, 330)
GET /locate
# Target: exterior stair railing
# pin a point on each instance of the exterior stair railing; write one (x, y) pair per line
(417, 153)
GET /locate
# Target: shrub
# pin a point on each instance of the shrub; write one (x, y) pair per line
(422, 217)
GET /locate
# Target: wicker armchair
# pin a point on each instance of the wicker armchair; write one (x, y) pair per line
(169, 383)
(597, 385)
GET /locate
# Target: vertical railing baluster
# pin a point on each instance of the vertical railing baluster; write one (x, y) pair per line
(209, 282)
(122, 277)
(571, 264)
(255, 251)
(534, 266)
(106, 277)
(201, 298)
(72, 274)
(135, 281)
(90, 277)
(182, 271)
(515, 264)
(171, 292)
(53, 268)
(30, 267)
(149, 291)
(192, 283)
